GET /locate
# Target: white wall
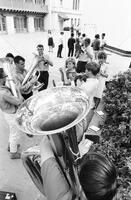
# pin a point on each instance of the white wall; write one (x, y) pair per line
(112, 17)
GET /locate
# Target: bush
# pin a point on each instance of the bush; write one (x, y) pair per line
(116, 131)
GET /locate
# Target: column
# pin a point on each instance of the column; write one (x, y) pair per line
(10, 24)
(31, 27)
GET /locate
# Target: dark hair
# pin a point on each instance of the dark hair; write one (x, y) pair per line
(83, 35)
(62, 33)
(97, 36)
(72, 34)
(18, 58)
(88, 40)
(97, 177)
(93, 67)
(102, 55)
(40, 45)
(103, 34)
(9, 55)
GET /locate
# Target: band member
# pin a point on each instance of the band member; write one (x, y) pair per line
(26, 89)
(9, 105)
(43, 67)
(10, 60)
(97, 176)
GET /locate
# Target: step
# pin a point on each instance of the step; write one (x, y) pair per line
(93, 131)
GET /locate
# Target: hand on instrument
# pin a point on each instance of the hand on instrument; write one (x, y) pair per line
(46, 151)
(33, 80)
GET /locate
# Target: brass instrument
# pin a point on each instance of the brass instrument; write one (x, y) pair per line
(54, 112)
(7, 69)
(32, 72)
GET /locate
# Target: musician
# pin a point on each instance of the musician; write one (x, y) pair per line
(9, 105)
(97, 176)
(26, 89)
(85, 56)
(9, 58)
(43, 67)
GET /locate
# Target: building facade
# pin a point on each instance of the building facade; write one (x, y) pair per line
(66, 13)
(17, 16)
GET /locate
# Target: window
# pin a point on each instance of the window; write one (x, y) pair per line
(75, 21)
(76, 4)
(3, 28)
(20, 23)
(28, 1)
(78, 21)
(38, 1)
(71, 21)
(39, 23)
(61, 2)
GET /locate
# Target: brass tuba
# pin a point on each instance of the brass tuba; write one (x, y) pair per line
(54, 112)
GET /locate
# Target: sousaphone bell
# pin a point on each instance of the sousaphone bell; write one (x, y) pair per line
(55, 112)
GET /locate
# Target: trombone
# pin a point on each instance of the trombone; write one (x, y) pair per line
(32, 71)
(7, 69)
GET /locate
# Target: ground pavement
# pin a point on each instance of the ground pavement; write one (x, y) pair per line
(13, 176)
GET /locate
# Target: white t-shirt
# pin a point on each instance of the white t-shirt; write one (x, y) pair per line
(90, 87)
(84, 56)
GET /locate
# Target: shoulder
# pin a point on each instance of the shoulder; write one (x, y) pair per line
(46, 56)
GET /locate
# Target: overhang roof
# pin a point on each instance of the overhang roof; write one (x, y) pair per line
(63, 16)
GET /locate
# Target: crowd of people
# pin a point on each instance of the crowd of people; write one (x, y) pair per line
(85, 67)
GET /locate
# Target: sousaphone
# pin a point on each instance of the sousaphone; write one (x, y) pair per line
(55, 112)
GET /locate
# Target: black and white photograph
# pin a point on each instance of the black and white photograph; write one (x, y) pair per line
(65, 100)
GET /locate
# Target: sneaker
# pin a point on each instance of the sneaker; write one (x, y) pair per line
(8, 148)
(15, 155)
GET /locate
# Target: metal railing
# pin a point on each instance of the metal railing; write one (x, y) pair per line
(23, 6)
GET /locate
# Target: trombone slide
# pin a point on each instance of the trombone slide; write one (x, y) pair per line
(6, 67)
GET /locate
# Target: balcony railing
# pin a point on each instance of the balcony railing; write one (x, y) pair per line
(23, 6)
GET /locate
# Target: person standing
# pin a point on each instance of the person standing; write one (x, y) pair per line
(103, 41)
(50, 42)
(60, 45)
(85, 56)
(71, 42)
(77, 45)
(96, 45)
(43, 67)
(20, 73)
(9, 105)
(102, 77)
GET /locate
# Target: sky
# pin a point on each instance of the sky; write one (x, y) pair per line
(112, 17)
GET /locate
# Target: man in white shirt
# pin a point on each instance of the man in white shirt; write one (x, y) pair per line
(43, 67)
(91, 84)
(90, 88)
(85, 56)
(60, 45)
